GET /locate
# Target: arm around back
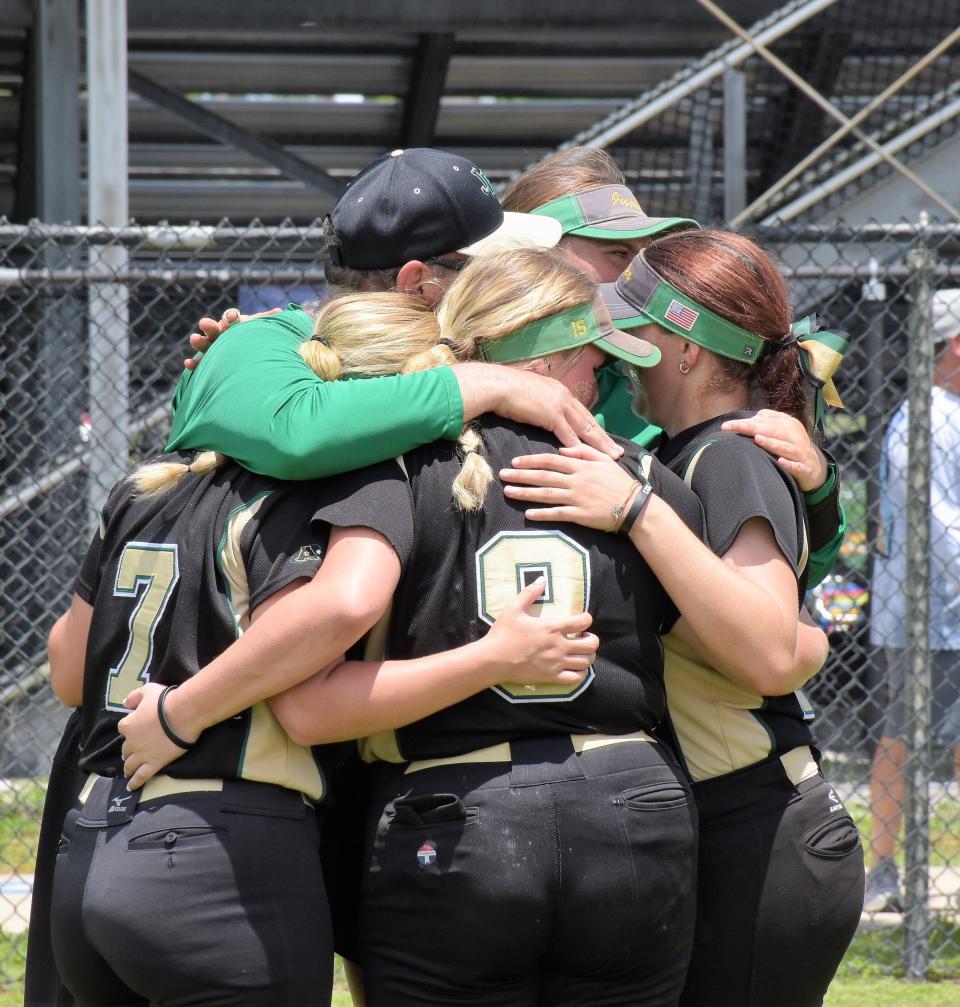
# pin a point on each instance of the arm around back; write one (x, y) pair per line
(67, 649)
(255, 399)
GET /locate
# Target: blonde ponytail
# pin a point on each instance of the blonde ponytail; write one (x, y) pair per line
(369, 335)
(158, 477)
(321, 359)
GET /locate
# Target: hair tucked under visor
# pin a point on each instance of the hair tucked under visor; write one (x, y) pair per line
(559, 175)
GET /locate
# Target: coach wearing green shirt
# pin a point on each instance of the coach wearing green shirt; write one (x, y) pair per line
(408, 221)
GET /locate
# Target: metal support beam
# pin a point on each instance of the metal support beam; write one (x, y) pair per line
(48, 176)
(108, 339)
(43, 342)
(428, 77)
(916, 686)
(734, 142)
(224, 131)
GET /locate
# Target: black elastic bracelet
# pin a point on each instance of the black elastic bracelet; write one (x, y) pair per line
(639, 501)
(167, 729)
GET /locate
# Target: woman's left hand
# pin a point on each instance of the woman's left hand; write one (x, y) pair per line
(787, 440)
(579, 485)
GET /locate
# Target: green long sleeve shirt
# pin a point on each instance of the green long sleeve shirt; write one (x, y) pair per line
(255, 399)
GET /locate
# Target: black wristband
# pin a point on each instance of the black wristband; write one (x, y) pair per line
(824, 517)
(164, 724)
(639, 502)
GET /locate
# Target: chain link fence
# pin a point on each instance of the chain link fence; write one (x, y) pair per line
(95, 326)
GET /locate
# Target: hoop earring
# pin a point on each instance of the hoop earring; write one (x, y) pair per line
(684, 367)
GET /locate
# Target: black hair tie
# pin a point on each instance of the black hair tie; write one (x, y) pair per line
(165, 724)
(321, 339)
(783, 343)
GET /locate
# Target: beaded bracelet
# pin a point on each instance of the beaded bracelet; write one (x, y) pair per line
(165, 724)
(618, 510)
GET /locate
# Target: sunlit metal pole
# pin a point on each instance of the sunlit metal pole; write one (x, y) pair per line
(917, 585)
(109, 343)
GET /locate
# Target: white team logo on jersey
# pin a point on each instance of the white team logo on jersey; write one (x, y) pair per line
(832, 797)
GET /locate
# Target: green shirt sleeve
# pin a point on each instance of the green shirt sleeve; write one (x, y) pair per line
(614, 409)
(254, 398)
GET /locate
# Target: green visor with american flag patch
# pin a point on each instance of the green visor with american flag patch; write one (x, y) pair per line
(641, 296)
(577, 326)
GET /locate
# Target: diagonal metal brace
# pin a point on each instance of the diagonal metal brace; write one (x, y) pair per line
(224, 131)
(814, 95)
(834, 138)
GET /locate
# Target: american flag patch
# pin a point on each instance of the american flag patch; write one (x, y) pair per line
(681, 315)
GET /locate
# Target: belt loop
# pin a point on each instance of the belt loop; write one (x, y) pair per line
(544, 760)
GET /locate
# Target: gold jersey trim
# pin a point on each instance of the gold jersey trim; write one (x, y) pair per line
(268, 756)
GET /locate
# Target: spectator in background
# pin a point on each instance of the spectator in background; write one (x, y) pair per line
(890, 598)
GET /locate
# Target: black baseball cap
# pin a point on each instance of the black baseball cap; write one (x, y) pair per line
(421, 203)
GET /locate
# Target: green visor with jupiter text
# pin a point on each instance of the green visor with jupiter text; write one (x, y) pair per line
(610, 212)
(641, 296)
(577, 326)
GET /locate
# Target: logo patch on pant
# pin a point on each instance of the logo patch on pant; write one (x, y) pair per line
(426, 855)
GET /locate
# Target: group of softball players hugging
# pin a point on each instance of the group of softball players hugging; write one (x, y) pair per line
(461, 630)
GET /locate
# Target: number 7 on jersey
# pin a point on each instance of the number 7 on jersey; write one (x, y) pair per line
(147, 572)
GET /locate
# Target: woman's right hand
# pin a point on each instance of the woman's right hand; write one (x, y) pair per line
(540, 650)
(210, 329)
(579, 484)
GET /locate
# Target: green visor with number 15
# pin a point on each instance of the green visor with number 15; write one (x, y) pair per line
(577, 326)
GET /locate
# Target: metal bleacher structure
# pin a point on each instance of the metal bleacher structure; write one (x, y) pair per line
(237, 110)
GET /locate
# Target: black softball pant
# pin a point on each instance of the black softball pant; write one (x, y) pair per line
(209, 898)
(554, 879)
(780, 890)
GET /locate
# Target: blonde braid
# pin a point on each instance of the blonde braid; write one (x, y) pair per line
(158, 477)
(475, 477)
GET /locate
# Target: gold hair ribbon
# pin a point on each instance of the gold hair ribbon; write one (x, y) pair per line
(823, 350)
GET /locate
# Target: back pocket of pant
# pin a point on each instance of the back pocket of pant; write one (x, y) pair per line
(431, 810)
(176, 839)
(654, 797)
(836, 837)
